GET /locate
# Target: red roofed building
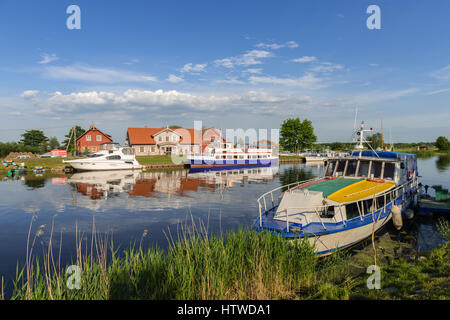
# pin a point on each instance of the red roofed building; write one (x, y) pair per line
(157, 141)
(91, 140)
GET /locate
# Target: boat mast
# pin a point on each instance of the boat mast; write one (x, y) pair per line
(360, 145)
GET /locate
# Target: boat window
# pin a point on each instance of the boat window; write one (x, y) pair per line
(363, 168)
(241, 157)
(352, 210)
(330, 168)
(113, 157)
(95, 155)
(389, 169)
(376, 169)
(127, 151)
(340, 168)
(229, 157)
(217, 157)
(351, 168)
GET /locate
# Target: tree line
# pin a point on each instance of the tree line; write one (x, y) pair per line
(36, 141)
(297, 136)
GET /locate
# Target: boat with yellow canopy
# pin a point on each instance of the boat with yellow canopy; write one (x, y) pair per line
(354, 198)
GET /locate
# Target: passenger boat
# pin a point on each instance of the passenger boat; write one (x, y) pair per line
(223, 154)
(357, 195)
(110, 157)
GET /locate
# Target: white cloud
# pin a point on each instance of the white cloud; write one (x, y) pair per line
(174, 79)
(29, 94)
(132, 61)
(231, 81)
(190, 68)
(438, 91)
(328, 67)
(304, 59)
(253, 70)
(309, 80)
(442, 74)
(374, 65)
(276, 46)
(87, 73)
(47, 58)
(252, 57)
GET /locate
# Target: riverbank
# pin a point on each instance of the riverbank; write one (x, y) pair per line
(291, 159)
(56, 165)
(242, 265)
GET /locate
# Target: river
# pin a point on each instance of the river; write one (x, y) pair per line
(145, 207)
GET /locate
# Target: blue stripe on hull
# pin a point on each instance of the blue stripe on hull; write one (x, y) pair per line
(194, 163)
(231, 167)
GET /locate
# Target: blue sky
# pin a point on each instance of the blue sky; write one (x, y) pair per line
(230, 64)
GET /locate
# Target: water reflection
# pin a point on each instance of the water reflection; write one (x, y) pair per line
(443, 163)
(108, 184)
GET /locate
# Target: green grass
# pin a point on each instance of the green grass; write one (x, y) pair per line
(242, 265)
(410, 276)
(156, 159)
(47, 163)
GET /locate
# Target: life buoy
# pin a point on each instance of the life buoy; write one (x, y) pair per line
(410, 174)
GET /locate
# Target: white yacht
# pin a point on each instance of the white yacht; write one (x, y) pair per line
(110, 157)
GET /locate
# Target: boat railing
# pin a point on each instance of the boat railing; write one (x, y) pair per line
(383, 199)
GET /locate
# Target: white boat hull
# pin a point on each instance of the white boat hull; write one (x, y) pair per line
(327, 243)
(106, 165)
(311, 159)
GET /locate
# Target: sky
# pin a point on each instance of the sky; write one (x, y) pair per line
(230, 64)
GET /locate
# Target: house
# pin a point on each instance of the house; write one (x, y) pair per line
(91, 140)
(267, 144)
(211, 135)
(160, 141)
(422, 147)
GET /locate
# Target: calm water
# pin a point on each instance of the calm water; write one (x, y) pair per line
(128, 203)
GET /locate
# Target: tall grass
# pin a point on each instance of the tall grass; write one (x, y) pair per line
(240, 265)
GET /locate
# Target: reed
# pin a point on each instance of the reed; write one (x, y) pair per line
(239, 265)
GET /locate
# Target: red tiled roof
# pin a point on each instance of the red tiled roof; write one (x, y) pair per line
(138, 136)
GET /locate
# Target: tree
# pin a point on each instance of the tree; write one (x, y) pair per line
(442, 143)
(78, 132)
(34, 138)
(296, 135)
(375, 140)
(337, 146)
(53, 143)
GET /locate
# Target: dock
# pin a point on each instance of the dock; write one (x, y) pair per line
(428, 206)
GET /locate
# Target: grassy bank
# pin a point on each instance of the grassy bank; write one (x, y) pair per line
(242, 265)
(46, 163)
(157, 159)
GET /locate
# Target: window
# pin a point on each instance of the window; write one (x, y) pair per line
(330, 168)
(167, 138)
(114, 157)
(340, 168)
(376, 169)
(174, 138)
(364, 168)
(351, 168)
(88, 137)
(94, 149)
(99, 137)
(159, 138)
(153, 149)
(389, 169)
(141, 149)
